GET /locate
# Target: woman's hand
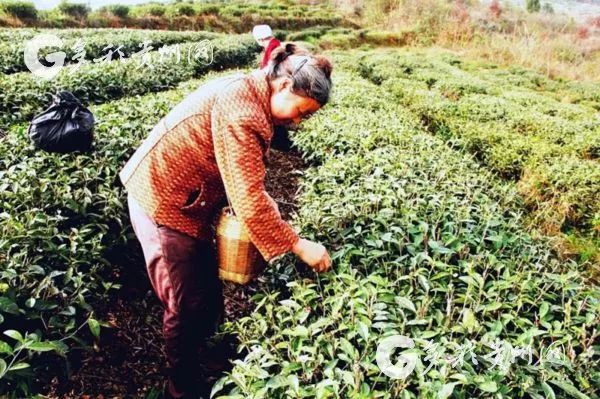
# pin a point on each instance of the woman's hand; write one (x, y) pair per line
(313, 254)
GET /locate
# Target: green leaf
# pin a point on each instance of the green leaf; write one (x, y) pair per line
(19, 366)
(488, 386)
(363, 330)
(405, 303)
(548, 391)
(2, 367)
(298, 331)
(14, 335)
(217, 386)
(30, 302)
(277, 381)
(8, 306)
(446, 390)
(94, 327)
(528, 335)
(5, 348)
(469, 322)
(570, 389)
(460, 377)
(42, 346)
(347, 347)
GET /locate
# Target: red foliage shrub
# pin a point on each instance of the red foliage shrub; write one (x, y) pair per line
(460, 13)
(583, 32)
(495, 9)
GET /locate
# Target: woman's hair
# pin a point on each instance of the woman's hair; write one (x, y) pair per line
(310, 73)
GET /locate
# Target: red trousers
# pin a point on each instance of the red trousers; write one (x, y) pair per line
(183, 272)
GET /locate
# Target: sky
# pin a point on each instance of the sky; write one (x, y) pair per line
(46, 4)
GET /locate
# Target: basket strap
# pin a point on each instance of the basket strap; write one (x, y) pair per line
(228, 161)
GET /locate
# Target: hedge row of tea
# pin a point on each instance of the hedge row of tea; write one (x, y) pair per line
(91, 44)
(566, 91)
(425, 244)
(520, 132)
(228, 16)
(61, 218)
(22, 95)
(350, 38)
(28, 33)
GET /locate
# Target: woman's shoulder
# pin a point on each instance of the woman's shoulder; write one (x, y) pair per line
(220, 83)
(240, 81)
(245, 93)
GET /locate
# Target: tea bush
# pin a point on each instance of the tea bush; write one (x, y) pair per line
(426, 244)
(61, 217)
(118, 10)
(510, 129)
(11, 51)
(15, 34)
(23, 94)
(19, 9)
(565, 91)
(222, 16)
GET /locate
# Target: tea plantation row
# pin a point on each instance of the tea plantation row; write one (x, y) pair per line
(425, 244)
(28, 33)
(93, 45)
(23, 94)
(567, 91)
(522, 133)
(61, 217)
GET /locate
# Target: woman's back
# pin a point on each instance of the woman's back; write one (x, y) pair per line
(178, 157)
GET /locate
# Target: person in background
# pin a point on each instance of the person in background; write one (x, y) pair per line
(264, 37)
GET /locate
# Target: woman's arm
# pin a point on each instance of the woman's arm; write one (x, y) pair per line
(239, 153)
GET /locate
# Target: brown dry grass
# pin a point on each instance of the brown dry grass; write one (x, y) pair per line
(550, 44)
(547, 214)
(10, 21)
(554, 55)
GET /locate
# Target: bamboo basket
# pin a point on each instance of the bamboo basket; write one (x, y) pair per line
(239, 260)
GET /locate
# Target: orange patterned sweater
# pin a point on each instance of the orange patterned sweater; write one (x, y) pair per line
(214, 142)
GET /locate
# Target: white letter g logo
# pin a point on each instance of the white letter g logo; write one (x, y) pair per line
(384, 354)
(32, 48)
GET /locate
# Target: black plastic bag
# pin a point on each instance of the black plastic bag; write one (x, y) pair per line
(66, 126)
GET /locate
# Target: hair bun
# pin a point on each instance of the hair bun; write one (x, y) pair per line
(324, 64)
(290, 48)
(281, 53)
(284, 51)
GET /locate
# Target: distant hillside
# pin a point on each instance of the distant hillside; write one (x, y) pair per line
(221, 16)
(580, 10)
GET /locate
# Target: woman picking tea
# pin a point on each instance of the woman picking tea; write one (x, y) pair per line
(208, 148)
